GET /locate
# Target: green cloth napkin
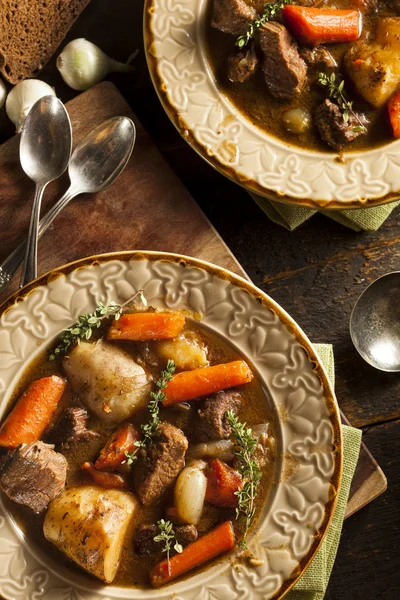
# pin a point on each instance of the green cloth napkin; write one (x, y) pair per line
(360, 219)
(314, 581)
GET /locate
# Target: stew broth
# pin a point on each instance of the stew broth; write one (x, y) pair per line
(134, 570)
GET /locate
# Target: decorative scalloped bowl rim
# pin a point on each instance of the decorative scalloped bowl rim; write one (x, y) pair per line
(286, 533)
(232, 144)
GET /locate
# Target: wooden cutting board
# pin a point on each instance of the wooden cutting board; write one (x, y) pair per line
(147, 208)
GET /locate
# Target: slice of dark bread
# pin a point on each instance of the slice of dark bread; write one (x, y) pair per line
(30, 33)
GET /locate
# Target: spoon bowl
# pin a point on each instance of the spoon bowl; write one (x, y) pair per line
(102, 154)
(46, 141)
(375, 323)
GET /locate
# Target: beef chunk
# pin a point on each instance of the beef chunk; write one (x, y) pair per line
(232, 16)
(318, 57)
(284, 69)
(34, 474)
(332, 128)
(71, 429)
(145, 534)
(212, 423)
(159, 466)
(242, 64)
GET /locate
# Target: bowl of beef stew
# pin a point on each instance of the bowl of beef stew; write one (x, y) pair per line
(165, 428)
(298, 100)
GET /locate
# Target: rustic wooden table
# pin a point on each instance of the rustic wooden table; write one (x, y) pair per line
(316, 273)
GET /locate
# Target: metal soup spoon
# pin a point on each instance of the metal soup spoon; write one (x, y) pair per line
(45, 148)
(375, 323)
(95, 164)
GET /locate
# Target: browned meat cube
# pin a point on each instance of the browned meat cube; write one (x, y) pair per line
(212, 423)
(160, 465)
(318, 57)
(284, 69)
(242, 64)
(71, 428)
(145, 534)
(232, 16)
(34, 474)
(332, 127)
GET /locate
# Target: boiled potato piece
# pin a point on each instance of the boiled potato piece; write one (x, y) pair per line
(186, 351)
(108, 381)
(89, 524)
(374, 67)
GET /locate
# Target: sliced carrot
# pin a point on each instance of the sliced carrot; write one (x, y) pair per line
(190, 385)
(146, 326)
(219, 540)
(394, 113)
(222, 484)
(113, 454)
(33, 412)
(106, 480)
(314, 26)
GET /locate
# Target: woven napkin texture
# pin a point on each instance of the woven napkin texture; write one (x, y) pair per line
(314, 581)
(360, 219)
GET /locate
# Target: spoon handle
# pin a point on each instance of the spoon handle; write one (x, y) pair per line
(10, 265)
(29, 268)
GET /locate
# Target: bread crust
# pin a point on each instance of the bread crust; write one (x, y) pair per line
(30, 33)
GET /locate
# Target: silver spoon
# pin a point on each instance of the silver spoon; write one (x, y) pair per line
(375, 323)
(95, 163)
(45, 148)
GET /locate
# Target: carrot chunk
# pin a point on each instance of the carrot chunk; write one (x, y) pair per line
(394, 113)
(113, 454)
(190, 385)
(146, 326)
(219, 540)
(106, 480)
(33, 412)
(222, 484)
(314, 26)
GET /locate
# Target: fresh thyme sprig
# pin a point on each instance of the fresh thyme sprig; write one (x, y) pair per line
(167, 535)
(157, 397)
(248, 468)
(337, 92)
(86, 324)
(269, 12)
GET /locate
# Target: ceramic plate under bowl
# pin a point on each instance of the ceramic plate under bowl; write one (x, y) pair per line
(222, 135)
(308, 434)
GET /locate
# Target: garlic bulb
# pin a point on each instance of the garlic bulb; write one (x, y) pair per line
(189, 494)
(82, 64)
(3, 93)
(22, 97)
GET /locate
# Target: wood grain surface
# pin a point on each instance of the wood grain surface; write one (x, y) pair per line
(315, 273)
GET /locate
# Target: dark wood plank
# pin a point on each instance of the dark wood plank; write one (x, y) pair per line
(368, 560)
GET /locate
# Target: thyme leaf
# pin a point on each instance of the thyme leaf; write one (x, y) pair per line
(248, 468)
(337, 92)
(269, 12)
(167, 535)
(86, 324)
(149, 429)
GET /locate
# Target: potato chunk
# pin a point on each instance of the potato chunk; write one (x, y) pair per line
(89, 524)
(108, 381)
(374, 67)
(186, 351)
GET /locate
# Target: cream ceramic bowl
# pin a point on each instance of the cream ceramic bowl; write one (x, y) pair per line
(309, 459)
(224, 137)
